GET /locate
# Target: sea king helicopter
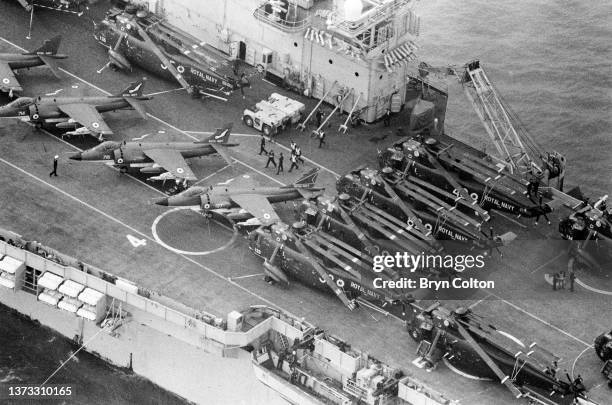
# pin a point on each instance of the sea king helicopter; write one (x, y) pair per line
(510, 182)
(335, 241)
(475, 349)
(134, 36)
(421, 206)
(316, 258)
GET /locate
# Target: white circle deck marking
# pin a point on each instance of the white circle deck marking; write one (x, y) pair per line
(548, 278)
(582, 284)
(592, 289)
(185, 252)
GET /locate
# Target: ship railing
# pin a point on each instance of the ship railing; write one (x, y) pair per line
(352, 387)
(380, 13)
(317, 371)
(434, 80)
(414, 391)
(204, 330)
(285, 26)
(300, 324)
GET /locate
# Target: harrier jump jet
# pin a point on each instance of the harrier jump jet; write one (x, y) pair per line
(43, 56)
(159, 157)
(73, 112)
(240, 198)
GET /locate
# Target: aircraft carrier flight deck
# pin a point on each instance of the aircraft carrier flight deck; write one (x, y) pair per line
(109, 219)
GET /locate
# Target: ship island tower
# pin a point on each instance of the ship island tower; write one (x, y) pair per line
(353, 52)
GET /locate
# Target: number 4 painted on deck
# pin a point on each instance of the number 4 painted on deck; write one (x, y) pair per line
(135, 241)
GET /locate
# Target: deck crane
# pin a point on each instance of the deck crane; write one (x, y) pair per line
(518, 150)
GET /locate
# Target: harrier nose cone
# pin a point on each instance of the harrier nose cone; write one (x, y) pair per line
(76, 156)
(161, 201)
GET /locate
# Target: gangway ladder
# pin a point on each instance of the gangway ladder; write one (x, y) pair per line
(317, 131)
(495, 119)
(164, 59)
(492, 365)
(344, 127)
(302, 125)
(284, 343)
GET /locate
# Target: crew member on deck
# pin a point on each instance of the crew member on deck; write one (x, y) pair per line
(280, 163)
(293, 163)
(262, 145)
(387, 118)
(244, 82)
(572, 278)
(54, 172)
(321, 138)
(281, 358)
(534, 184)
(298, 154)
(319, 117)
(270, 159)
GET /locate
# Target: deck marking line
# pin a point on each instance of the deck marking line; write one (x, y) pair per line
(247, 276)
(259, 171)
(541, 320)
(479, 301)
(232, 134)
(547, 262)
(187, 252)
(210, 175)
(12, 44)
(592, 289)
(510, 219)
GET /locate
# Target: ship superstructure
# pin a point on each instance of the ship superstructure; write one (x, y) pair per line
(323, 369)
(353, 52)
